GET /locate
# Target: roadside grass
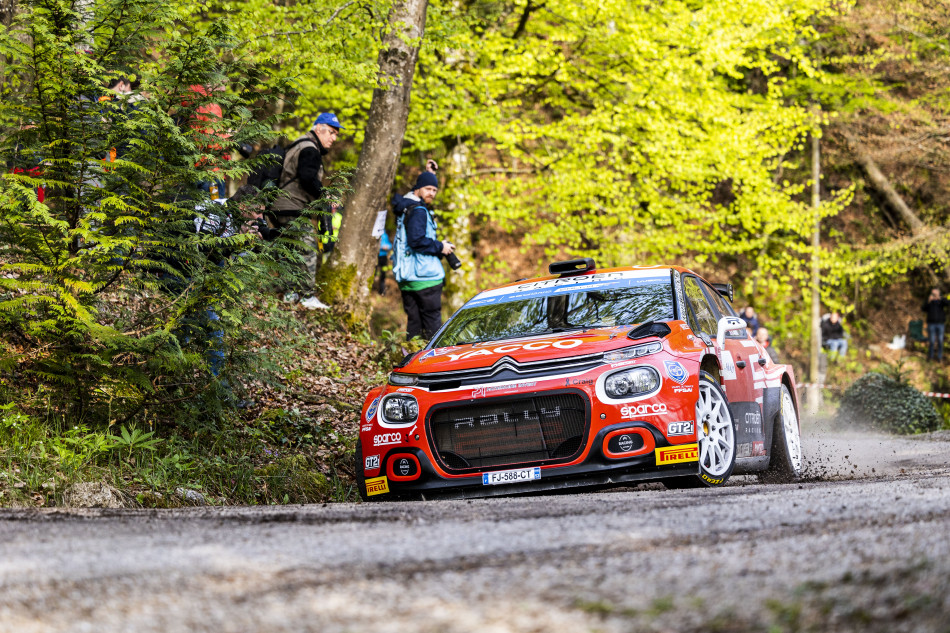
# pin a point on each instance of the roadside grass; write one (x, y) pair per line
(291, 440)
(241, 463)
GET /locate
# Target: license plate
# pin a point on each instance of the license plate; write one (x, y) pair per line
(511, 476)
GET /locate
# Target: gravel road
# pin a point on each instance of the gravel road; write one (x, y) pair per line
(861, 545)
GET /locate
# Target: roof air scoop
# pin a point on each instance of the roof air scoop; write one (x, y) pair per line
(572, 267)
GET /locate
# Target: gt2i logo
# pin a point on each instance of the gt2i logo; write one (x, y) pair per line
(677, 454)
(372, 462)
(642, 410)
(387, 438)
(679, 428)
(513, 347)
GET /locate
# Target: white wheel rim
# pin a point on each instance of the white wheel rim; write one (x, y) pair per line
(717, 439)
(793, 438)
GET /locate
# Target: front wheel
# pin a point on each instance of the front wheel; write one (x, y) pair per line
(786, 460)
(716, 435)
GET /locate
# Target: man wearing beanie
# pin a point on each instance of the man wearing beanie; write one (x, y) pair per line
(301, 182)
(417, 254)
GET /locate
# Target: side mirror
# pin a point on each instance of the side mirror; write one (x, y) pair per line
(727, 324)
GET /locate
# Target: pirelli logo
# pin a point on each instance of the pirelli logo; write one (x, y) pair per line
(376, 486)
(677, 454)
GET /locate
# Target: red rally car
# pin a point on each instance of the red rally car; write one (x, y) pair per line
(583, 378)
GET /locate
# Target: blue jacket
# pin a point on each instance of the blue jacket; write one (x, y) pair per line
(416, 251)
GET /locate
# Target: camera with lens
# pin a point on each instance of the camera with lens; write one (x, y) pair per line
(453, 261)
(245, 150)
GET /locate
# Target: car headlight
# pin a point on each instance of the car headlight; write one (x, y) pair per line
(400, 409)
(632, 382)
(636, 351)
(402, 380)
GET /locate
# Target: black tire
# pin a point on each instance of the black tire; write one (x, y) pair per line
(360, 470)
(786, 461)
(716, 436)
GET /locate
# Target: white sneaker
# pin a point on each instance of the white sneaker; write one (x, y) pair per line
(291, 297)
(312, 303)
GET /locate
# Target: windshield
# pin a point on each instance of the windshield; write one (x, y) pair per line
(623, 302)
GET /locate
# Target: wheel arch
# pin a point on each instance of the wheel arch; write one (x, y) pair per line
(710, 365)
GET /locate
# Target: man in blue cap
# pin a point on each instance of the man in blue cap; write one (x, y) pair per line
(417, 254)
(301, 182)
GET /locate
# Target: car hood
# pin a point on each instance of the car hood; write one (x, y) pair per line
(522, 350)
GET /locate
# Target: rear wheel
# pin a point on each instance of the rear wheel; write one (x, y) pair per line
(716, 435)
(786, 460)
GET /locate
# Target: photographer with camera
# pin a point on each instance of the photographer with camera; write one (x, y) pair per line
(416, 255)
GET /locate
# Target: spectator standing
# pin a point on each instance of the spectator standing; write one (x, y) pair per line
(382, 262)
(936, 309)
(762, 336)
(416, 256)
(301, 182)
(832, 334)
(751, 321)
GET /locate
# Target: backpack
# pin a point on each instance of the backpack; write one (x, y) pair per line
(267, 173)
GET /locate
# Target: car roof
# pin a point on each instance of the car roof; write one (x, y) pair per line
(596, 271)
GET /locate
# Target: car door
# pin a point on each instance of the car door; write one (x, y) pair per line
(739, 366)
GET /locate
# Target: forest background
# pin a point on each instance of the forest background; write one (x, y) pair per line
(675, 132)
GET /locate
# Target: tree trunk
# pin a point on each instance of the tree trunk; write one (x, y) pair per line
(814, 357)
(347, 276)
(880, 182)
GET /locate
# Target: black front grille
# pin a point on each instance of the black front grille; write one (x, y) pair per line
(510, 431)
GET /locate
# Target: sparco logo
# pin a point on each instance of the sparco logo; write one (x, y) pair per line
(641, 410)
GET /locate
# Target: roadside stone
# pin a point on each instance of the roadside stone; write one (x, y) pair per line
(93, 494)
(191, 496)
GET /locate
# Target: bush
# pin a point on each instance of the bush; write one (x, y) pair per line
(888, 405)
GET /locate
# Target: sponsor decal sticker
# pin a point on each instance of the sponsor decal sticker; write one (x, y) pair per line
(377, 486)
(752, 423)
(713, 480)
(758, 448)
(679, 428)
(404, 466)
(570, 343)
(683, 389)
(367, 427)
(405, 389)
(385, 439)
(578, 382)
(372, 462)
(677, 454)
(625, 442)
(676, 371)
(481, 392)
(438, 351)
(642, 410)
(371, 409)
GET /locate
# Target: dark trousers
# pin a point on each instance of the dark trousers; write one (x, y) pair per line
(935, 335)
(424, 309)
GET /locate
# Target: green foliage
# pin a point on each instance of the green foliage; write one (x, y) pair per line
(888, 405)
(110, 303)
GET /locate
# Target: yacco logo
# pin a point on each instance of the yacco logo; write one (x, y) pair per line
(677, 454)
(642, 410)
(371, 409)
(512, 347)
(675, 371)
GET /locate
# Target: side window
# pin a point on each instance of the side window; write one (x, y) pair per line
(705, 318)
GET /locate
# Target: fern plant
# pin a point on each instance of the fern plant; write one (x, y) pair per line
(105, 286)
